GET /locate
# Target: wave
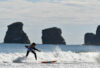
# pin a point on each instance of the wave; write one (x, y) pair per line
(17, 54)
(61, 57)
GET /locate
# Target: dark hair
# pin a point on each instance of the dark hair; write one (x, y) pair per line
(33, 43)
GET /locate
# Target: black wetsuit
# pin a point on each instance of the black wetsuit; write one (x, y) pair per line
(32, 49)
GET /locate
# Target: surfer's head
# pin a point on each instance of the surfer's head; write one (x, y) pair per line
(33, 44)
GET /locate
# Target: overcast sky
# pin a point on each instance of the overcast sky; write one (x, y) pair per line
(74, 17)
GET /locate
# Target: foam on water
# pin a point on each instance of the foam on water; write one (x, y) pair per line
(69, 59)
(61, 57)
(64, 59)
(19, 59)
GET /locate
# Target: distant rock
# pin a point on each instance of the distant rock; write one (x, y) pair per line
(15, 34)
(98, 31)
(93, 39)
(52, 36)
(89, 38)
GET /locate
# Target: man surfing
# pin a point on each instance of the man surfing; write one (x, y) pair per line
(32, 49)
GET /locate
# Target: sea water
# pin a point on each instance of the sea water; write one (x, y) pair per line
(67, 56)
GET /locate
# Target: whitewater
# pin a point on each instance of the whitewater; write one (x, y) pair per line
(71, 56)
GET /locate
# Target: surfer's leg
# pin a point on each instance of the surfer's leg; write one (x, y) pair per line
(27, 53)
(34, 54)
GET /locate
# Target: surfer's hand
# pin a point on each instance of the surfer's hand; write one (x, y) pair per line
(27, 46)
(39, 51)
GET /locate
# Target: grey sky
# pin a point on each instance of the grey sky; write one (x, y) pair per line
(74, 17)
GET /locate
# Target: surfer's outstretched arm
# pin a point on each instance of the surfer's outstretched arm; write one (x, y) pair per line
(36, 49)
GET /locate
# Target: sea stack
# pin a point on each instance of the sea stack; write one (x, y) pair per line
(52, 36)
(92, 39)
(15, 34)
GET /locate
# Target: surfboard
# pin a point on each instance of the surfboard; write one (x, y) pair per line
(53, 61)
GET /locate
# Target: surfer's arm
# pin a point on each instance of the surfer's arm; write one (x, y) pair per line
(36, 49)
(27, 46)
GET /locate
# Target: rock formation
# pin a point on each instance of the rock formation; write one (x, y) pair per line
(89, 38)
(15, 34)
(93, 39)
(52, 36)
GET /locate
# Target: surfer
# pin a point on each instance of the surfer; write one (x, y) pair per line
(32, 49)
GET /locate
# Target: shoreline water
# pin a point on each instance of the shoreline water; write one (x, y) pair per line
(13, 56)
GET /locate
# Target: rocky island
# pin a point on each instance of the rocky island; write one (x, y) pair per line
(52, 36)
(91, 38)
(15, 34)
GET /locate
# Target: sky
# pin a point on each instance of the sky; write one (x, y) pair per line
(73, 17)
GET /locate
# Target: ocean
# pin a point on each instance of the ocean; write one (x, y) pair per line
(67, 56)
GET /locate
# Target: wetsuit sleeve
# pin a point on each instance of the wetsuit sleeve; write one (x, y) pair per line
(36, 49)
